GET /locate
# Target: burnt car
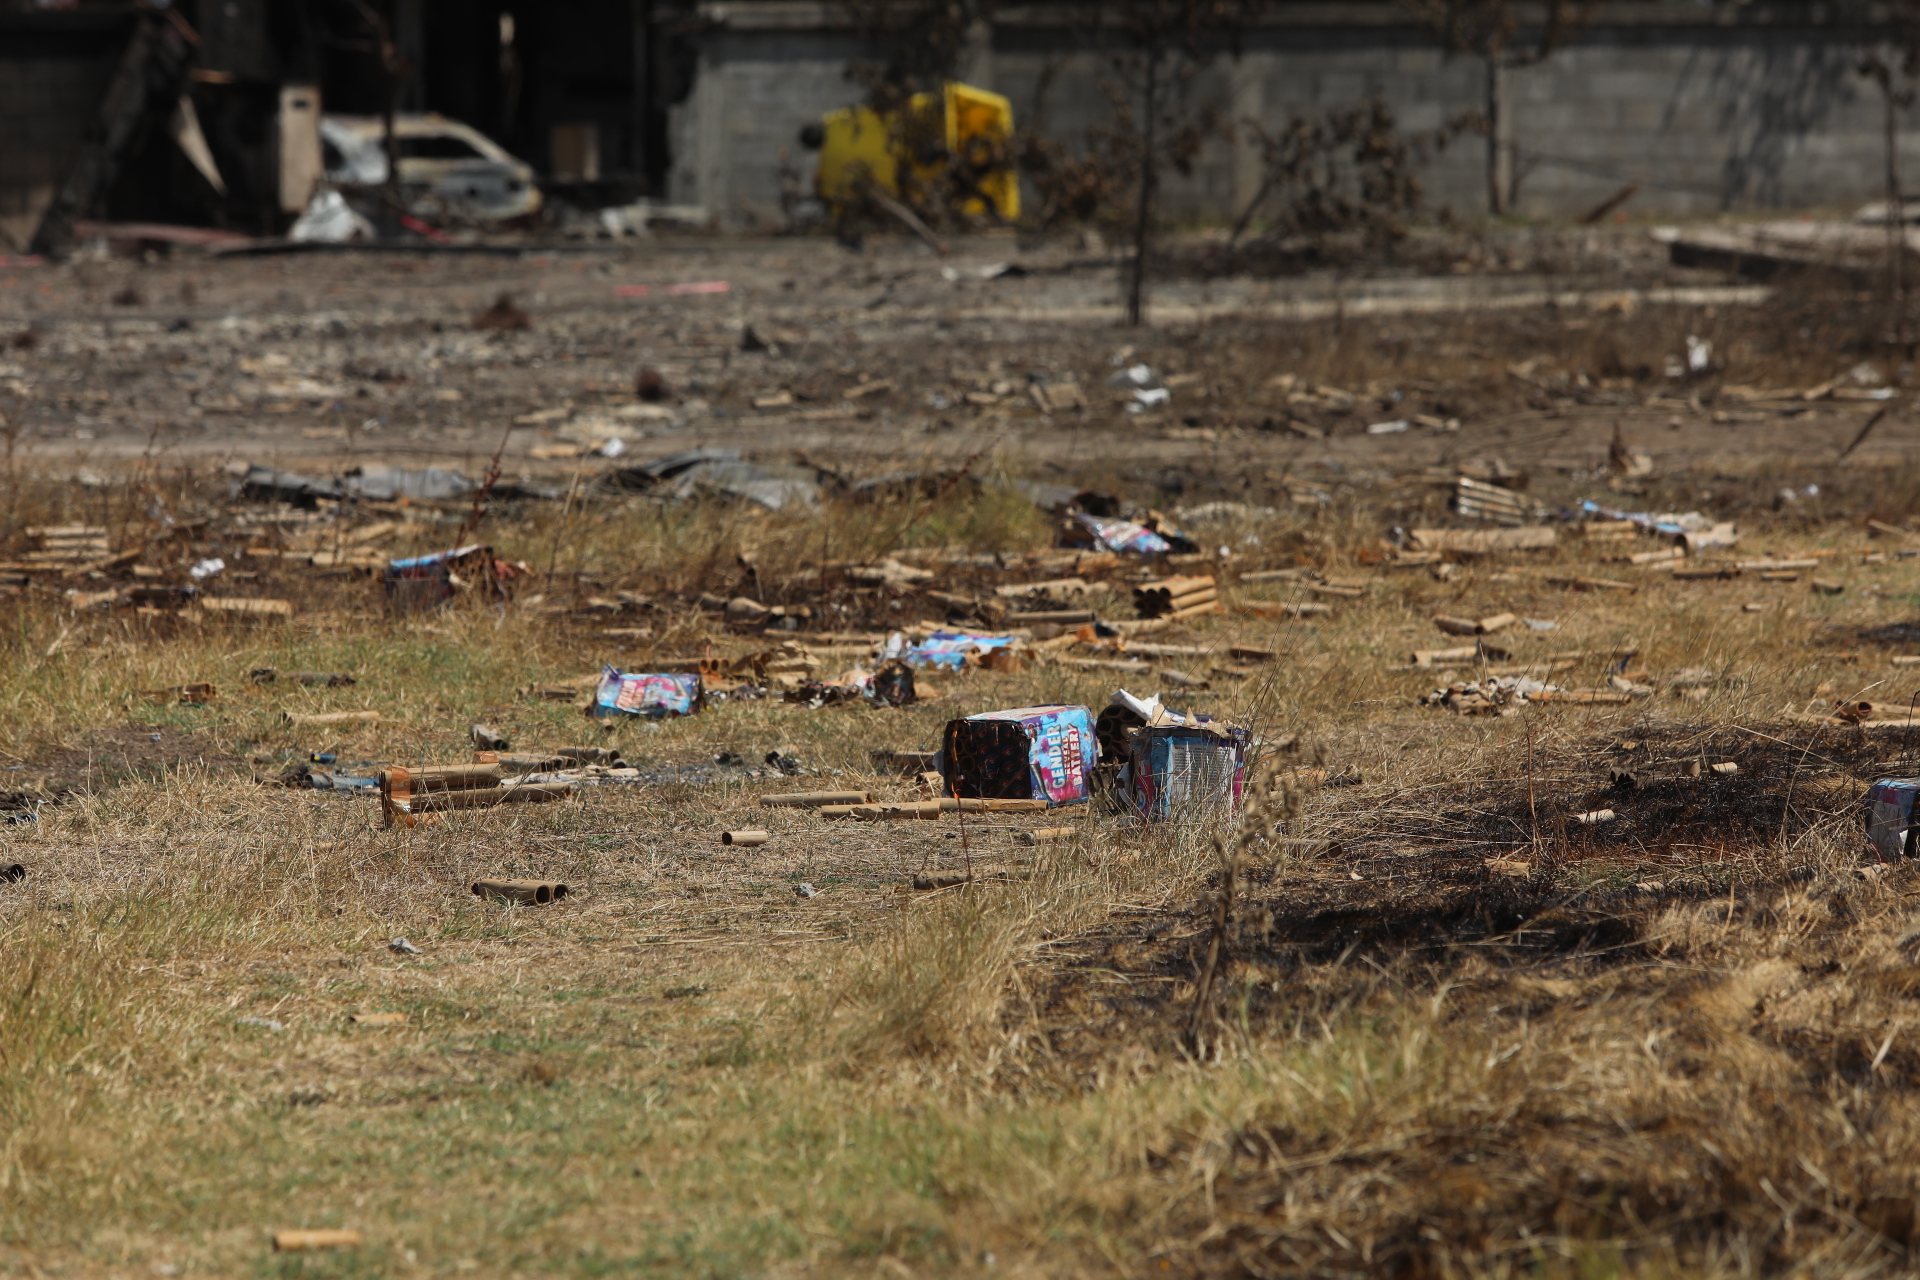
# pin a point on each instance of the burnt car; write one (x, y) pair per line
(448, 170)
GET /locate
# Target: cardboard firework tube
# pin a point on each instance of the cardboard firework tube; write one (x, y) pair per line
(970, 804)
(836, 810)
(454, 777)
(12, 871)
(536, 792)
(442, 801)
(297, 1241)
(1192, 598)
(815, 799)
(539, 892)
(1043, 835)
(906, 811)
(745, 839)
(332, 718)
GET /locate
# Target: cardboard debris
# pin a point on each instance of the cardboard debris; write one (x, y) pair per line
(407, 793)
(1493, 696)
(1494, 503)
(1891, 829)
(746, 839)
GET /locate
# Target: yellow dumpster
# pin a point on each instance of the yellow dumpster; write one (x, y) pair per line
(955, 148)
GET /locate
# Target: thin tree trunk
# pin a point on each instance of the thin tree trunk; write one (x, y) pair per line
(1896, 216)
(1149, 172)
(391, 144)
(1499, 155)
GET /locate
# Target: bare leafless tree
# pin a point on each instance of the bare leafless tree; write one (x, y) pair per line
(1155, 51)
(1891, 60)
(1491, 31)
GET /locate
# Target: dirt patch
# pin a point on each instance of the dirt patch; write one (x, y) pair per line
(99, 759)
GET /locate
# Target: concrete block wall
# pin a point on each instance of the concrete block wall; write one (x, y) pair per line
(1706, 118)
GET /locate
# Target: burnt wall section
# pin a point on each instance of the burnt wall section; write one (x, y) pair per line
(54, 70)
(1708, 109)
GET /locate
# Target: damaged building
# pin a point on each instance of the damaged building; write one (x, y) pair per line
(208, 113)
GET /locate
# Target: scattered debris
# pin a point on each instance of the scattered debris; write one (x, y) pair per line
(1494, 503)
(805, 890)
(330, 679)
(485, 739)
(408, 794)
(504, 316)
(400, 946)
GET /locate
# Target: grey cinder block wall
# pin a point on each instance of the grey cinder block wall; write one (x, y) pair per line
(1710, 108)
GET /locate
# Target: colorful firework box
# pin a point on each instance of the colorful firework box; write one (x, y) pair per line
(648, 695)
(1890, 827)
(1030, 753)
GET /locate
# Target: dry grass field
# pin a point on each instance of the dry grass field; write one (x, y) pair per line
(1448, 1030)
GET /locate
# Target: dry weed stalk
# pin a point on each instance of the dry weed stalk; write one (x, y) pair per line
(1269, 799)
